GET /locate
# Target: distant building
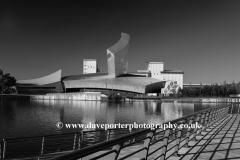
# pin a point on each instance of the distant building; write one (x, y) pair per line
(173, 78)
(89, 66)
(173, 75)
(117, 78)
(156, 68)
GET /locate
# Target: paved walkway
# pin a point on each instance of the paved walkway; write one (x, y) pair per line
(222, 142)
(219, 142)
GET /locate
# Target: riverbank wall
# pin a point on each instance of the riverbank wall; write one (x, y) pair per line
(202, 100)
(97, 96)
(91, 96)
(88, 96)
(141, 100)
(80, 96)
(14, 96)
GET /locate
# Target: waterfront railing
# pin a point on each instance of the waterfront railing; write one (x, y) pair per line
(48, 145)
(155, 144)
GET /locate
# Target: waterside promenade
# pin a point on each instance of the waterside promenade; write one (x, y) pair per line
(218, 138)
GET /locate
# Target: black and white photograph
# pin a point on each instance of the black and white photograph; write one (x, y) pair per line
(120, 79)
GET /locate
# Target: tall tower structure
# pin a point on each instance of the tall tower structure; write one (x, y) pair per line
(117, 56)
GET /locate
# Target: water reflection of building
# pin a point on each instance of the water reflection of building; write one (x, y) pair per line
(110, 115)
(171, 111)
(90, 111)
(153, 109)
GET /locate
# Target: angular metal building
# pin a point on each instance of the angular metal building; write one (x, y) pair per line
(117, 77)
(48, 84)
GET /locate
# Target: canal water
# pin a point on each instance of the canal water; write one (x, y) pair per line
(21, 118)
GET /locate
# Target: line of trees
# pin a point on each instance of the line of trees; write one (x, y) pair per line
(7, 83)
(213, 90)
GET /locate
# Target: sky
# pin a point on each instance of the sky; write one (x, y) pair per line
(200, 37)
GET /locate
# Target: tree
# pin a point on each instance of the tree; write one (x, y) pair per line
(6, 83)
(180, 91)
(1, 76)
(98, 70)
(200, 94)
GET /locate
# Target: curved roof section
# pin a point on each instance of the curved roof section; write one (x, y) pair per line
(122, 43)
(85, 76)
(52, 78)
(126, 83)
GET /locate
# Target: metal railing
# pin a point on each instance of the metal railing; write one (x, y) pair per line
(38, 146)
(155, 144)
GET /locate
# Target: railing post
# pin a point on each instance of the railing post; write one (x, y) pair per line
(4, 149)
(225, 110)
(1, 146)
(215, 113)
(42, 149)
(165, 144)
(238, 108)
(117, 149)
(0, 150)
(146, 144)
(82, 137)
(205, 121)
(132, 140)
(232, 109)
(79, 140)
(188, 133)
(74, 141)
(221, 113)
(196, 127)
(202, 122)
(108, 134)
(178, 140)
(218, 114)
(211, 117)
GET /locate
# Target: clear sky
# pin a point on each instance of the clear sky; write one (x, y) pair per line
(200, 37)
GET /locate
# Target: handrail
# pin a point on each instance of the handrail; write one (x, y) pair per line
(219, 113)
(100, 146)
(46, 144)
(39, 145)
(44, 135)
(194, 114)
